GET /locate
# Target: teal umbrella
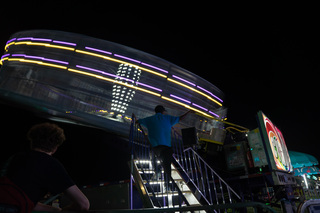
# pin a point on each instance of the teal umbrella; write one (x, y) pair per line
(309, 170)
(299, 159)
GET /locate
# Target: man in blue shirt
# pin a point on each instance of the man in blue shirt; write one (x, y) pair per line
(159, 133)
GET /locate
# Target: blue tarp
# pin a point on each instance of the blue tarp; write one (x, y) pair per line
(299, 159)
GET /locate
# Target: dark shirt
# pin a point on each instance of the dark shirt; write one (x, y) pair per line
(37, 173)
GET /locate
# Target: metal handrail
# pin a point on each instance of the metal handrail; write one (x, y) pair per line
(190, 208)
(303, 206)
(206, 181)
(208, 166)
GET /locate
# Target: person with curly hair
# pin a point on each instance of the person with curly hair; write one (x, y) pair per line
(29, 176)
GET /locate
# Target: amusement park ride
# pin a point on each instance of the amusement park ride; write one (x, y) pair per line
(73, 78)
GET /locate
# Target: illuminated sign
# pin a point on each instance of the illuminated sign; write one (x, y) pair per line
(275, 144)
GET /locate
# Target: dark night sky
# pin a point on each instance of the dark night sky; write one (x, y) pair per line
(260, 61)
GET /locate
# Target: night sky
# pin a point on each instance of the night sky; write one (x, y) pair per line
(260, 61)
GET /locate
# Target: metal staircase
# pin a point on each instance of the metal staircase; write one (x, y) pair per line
(193, 182)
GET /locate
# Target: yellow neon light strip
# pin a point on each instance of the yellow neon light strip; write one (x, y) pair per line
(37, 62)
(195, 90)
(40, 44)
(114, 60)
(3, 59)
(6, 47)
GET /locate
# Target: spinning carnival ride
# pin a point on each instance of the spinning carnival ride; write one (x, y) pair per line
(100, 83)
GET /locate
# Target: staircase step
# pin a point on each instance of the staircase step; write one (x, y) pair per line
(159, 181)
(147, 171)
(172, 193)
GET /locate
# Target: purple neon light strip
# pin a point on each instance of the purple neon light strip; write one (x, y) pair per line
(34, 39)
(199, 106)
(41, 39)
(24, 38)
(210, 93)
(38, 57)
(184, 80)
(11, 40)
(127, 58)
(45, 39)
(157, 68)
(104, 73)
(214, 114)
(57, 61)
(5, 55)
(18, 55)
(35, 57)
(181, 99)
(97, 50)
(63, 42)
(151, 87)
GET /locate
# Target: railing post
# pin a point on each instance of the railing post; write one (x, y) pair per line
(131, 139)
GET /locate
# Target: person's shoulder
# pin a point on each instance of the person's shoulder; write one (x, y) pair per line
(148, 118)
(43, 158)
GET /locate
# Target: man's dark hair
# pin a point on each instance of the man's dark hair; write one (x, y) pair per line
(46, 137)
(159, 108)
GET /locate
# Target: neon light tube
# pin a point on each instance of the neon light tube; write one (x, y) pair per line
(25, 38)
(127, 58)
(209, 93)
(113, 81)
(195, 90)
(97, 50)
(45, 39)
(188, 82)
(5, 55)
(37, 62)
(182, 99)
(8, 45)
(151, 87)
(157, 68)
(121, 62)
(63, 42)
(41, 39)
(38, 57)
(53, 60)
(214, 114)
(104, 73)
(40, 44)
(199, 106)
(187, 106)
(11, 40)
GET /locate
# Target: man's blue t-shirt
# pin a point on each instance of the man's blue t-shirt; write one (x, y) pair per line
(159, 128)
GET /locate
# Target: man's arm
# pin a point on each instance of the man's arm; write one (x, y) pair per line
(185, 114)
(80, 201)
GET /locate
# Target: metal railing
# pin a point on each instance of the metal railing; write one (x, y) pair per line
(212, 188)
(206, 184)
(309, 206)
